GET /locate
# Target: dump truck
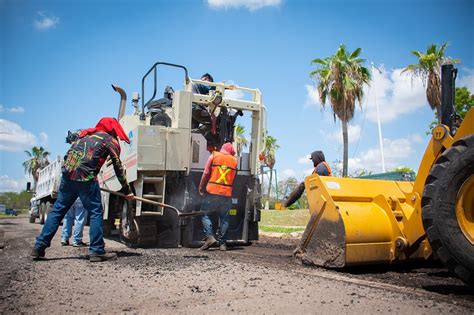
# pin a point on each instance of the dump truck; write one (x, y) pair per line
(49, 178)
(363, 221)
(170, 141)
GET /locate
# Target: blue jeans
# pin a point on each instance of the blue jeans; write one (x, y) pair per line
(76, 215)
(69, 190)
(221, 205)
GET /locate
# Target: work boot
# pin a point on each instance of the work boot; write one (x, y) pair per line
(102, 257)
(65, 243)
(210, 240)
(37, 253)
(80, 244)
(223, 247)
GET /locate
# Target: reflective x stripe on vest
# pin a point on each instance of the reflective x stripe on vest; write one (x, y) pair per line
(223, 171)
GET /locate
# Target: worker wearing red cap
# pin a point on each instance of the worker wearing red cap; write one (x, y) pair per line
(81, 165)
(217, 180)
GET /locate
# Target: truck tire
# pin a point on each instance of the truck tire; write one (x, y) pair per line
(48, 207)
(42, 210)
(448, 208)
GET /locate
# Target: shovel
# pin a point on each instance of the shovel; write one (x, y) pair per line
(156, 203)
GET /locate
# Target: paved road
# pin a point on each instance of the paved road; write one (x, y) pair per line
(258, 279)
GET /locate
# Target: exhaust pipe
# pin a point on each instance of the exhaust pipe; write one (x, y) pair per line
(448, 88)
(123, 100)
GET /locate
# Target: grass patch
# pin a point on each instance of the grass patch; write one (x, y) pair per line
(22, 214)
(280, 229)
(285, 218)
(7, 216)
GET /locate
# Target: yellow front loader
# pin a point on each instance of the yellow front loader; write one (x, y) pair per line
(363, 221)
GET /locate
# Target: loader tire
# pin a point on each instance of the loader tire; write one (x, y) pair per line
(448, 208)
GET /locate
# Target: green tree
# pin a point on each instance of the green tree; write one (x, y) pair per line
(463, 101)
(361, 172)
(240, 140)
(404, 169)
(15, 200)
(269, 158)
(37, 159)
(428, 69)
(340, 78)
(286, 186)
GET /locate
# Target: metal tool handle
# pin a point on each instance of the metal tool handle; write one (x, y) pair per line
(156, 203)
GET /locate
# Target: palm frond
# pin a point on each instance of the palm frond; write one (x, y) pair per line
(355, 53)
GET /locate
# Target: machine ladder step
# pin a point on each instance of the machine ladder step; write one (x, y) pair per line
(153, 179)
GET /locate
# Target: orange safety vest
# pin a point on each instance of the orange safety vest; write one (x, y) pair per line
(223, 171)
(327, 166)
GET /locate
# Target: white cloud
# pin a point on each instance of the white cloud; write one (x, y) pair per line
(43, 138)
(312, 96)
(10, 184)
(14, 138)
(251, 5)
(396, 93)
(16, 109)
(45, 21)
(467, 80)
(395, 151)
(353, 134)
(305, 159)
(308, 171)
(286, 173)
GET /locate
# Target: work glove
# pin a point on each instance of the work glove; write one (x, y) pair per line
(294, 195)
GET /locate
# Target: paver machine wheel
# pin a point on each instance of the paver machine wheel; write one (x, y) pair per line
(136, 231)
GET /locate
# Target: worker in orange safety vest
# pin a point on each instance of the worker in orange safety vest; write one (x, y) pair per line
(216, 187)
(321, 167)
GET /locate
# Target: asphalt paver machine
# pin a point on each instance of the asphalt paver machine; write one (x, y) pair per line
(170, 141)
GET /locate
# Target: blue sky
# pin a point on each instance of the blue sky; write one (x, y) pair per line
(58, 59)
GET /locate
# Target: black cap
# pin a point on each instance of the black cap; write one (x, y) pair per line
(317, 156)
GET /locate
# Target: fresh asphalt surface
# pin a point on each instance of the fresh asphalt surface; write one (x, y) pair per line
(257, 279)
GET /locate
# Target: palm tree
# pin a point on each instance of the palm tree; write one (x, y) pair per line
(38, 158)
(240, 140)
(428, 69)
(269, 152)
(340, 78)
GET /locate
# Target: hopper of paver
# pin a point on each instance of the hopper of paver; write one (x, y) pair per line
(361, 221)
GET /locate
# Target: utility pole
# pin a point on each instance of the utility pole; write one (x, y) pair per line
(378, 120)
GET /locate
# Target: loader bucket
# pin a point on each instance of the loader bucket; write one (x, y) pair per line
(361, 221)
